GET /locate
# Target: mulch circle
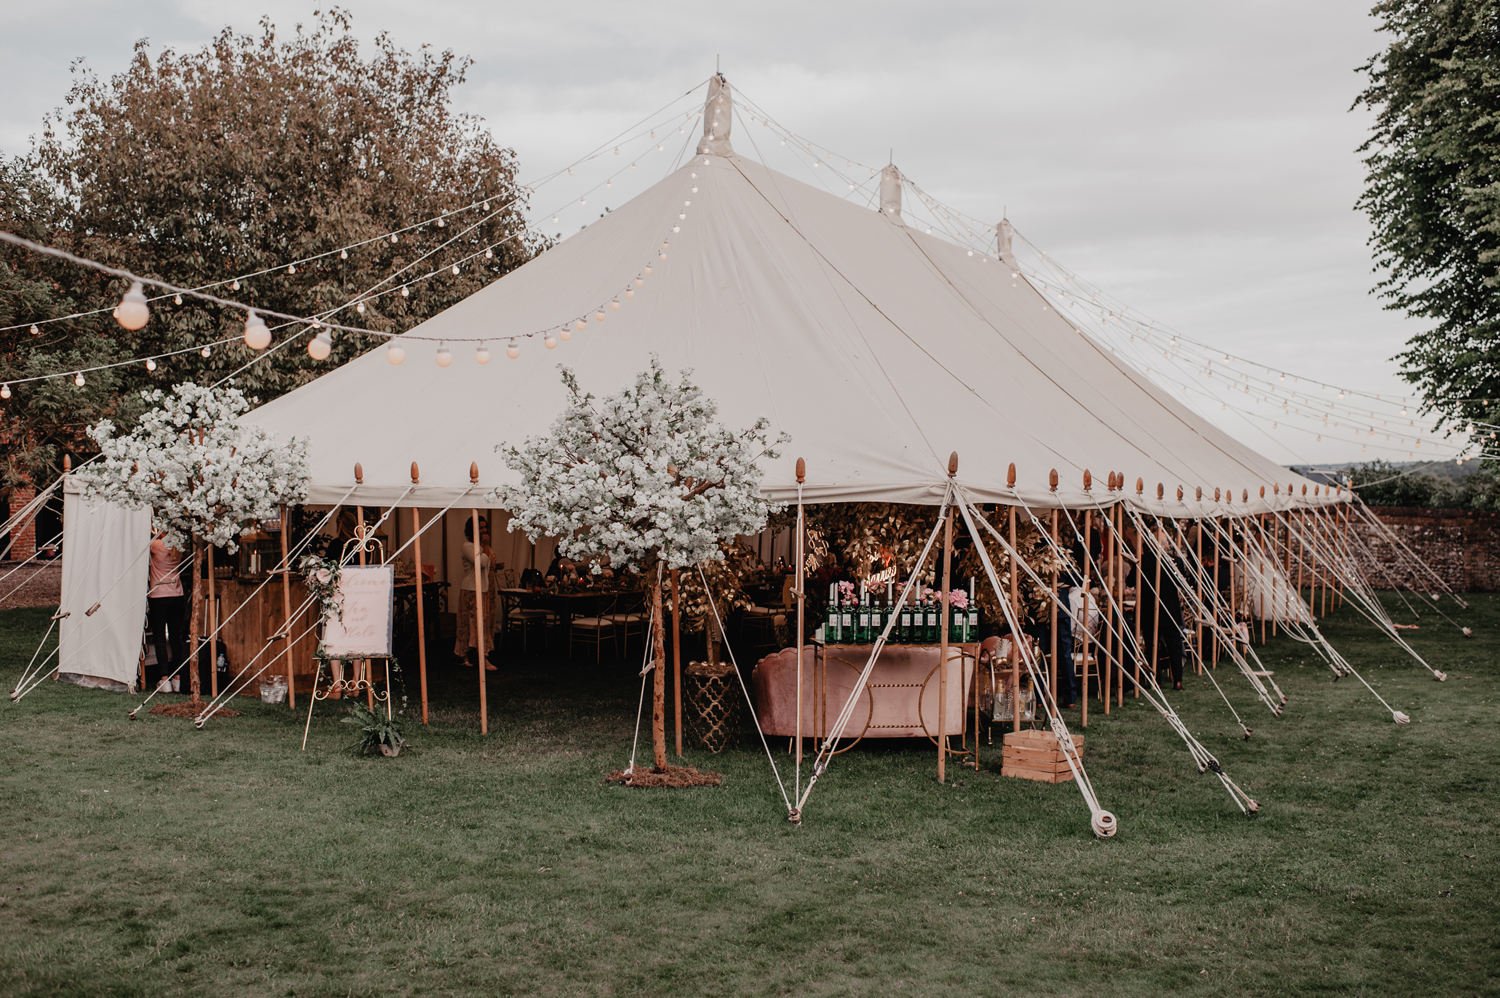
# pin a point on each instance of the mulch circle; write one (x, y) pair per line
(188, 709)
(672, 776)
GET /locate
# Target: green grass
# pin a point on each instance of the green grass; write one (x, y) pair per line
(148, 858)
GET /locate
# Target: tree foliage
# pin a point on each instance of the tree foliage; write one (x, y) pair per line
(250, 153)
(1433, 191)
(1380, 483)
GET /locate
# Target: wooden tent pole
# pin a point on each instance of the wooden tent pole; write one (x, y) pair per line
(416, 544)
(942, 721)
(1106, 610)
(1326, 529)
(1124, 622)
(1198, 581)
(1213, 635)
(1140, 590)
(677, 659)
(1343, 545)
(1234, 607)
(1088, 528)
(1156, 602)
(1015, 644)
(798, 554)
(1052, 676)
(286, 611)
(484, 708)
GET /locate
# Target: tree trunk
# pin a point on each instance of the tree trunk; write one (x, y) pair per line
(659, 682)
(192, 602)
(711, 637)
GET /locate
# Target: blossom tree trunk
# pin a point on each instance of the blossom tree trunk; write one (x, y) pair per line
(659, 681)
(192, 603)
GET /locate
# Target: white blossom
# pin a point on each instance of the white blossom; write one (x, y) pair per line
(645, 473)
(200, 471)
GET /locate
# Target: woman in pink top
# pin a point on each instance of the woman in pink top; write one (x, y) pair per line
(165, 610)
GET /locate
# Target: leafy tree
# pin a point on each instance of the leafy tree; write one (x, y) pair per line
(250, 153)
(1433, 192)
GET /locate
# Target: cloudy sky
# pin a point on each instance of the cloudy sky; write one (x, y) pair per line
(1197, 159)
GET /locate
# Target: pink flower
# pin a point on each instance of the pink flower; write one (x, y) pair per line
(324, 575)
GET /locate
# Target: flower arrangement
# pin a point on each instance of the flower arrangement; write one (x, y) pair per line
(322, 575)
(958, 599)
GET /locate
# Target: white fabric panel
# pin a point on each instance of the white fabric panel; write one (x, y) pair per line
(1271, 595)
(105, 561)
(878, 348)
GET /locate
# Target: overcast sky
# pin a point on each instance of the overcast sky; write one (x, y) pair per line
(1197, 159)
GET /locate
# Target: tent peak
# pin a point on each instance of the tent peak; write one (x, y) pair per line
(890, 193)
(717, 112)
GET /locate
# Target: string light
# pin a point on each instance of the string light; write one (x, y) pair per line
(78, 379)
(513, 350)
(482, 355)
(35, 331)
(150, 364)
(206, 352)
(132, 313)
(4, 391)
(343, 254)
(455, 270)
(395, 353)
(549, 341)
(444, 355)
(615, 304)
(599, 315)
(320, 346)
(405, 291)
(257, 334)
(581, 324)
(565, 334)
(177, 300)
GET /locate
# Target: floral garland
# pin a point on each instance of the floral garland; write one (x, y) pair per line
(322, 575)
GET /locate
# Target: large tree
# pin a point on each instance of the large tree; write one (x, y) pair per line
(1433, 193)
(250, 153)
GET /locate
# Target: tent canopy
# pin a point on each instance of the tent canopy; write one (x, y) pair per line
(879, 348)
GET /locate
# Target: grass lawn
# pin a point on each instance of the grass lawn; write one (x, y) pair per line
(149, 858)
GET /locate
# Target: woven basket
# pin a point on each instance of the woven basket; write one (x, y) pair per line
(713, 715)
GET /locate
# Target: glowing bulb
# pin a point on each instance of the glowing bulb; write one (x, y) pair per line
(661, 256)
(405, 291)
(234, 285)
(207, 352)
(393, 237)
(639, 282)
(676, 228)
(35, 331)
(599, 315)
(581, 324)
(150, 364)
(646, 269)
(455, 270)
(320, 346)
(512, 350)
(291, 268)
(1403, 410)
(78, 379)
(257, 335)
(132, 312)
(343, 254)
(609, 183)
(396, 354)
(1282, 378)
(482, 355)
(630, 292)
(444, 355)
(360, 308)
(615, 304)
(442, 224)
(4, 391)
(550, 342)
(695, 190)
(489, 254)
(554, 218)
(177, 299)
(565, 334)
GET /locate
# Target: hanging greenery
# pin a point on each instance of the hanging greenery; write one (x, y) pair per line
(1035, 552)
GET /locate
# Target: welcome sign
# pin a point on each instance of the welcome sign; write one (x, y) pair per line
(365, 630)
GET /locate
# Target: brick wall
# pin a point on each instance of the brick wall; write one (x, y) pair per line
(1461, 546)
(23, 541)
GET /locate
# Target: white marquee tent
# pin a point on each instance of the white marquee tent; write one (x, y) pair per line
(879, 348)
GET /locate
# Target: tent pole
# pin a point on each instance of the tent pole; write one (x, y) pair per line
(416, 543)
(1140, 591)
(942, 722)
(1052, 679)
(1015, 644)
(798, 553)
(213, 630)
(1198, 580)
(1214, 635)
(1343, 546)
(1156, 598)
(484, 708)
(1088, 530)
(362, 666)
(1234, 608)
(286, 611)
(1124, 621)
(677, 659)
(1106, 612)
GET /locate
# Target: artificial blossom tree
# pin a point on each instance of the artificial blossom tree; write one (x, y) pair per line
(205, 476)
(645, 479)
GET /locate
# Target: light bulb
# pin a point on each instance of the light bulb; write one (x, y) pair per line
(78, 379)
(35, 331)
(680, 216)
(396, 354)
(442, 224)
(554, 218)
(482, 355)
(646, 269)
(444, 355)
(132, 312)
(565, 334)
(150, 364)
(630, 292)
(583, 201)
(455, 270)
(639, 282)
(615, 304)
(676, 228)
(234, 285)
(570, 171)
(599, 315)
(1403, 410)
(513, 350)
(393, 237)
(257, 335)
(609, 183)
(581, 324)
(320, 346)
(177, 299)
(661, 256)
(206, 352)
(4, 391)
(291, 269)
(405, 291)
(489, 254)
(360, 308)
(550, 342)
(695, 190)
(343, 254)
(1282, 378)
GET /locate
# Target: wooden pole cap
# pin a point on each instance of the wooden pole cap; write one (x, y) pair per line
(1140, 486)
(1216, 495)
(67, 464)
(1161, 490)
(1010, 476)
(953, 464)
(801, 471)
(1200, 494)
(1109, 482)
(474, 472)
(1304, 490)
(1179, 493)
(359, 473)
(416, 476)
(1088, 480)
(1245, 494)
(1052, 479)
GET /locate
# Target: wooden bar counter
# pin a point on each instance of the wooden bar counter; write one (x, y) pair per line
(256, 624)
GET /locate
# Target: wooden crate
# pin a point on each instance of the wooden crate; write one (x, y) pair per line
(1034, 755)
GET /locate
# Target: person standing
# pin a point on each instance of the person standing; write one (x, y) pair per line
(465, 648)
(165, 610)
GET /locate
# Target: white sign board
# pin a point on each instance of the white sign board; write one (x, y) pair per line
(365, 630)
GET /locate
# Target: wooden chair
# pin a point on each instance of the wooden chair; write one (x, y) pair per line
(593, 630)
(626, 624)
(522, 623)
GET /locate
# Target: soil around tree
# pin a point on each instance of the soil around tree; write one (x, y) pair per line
(189, 709)
(670, 776)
